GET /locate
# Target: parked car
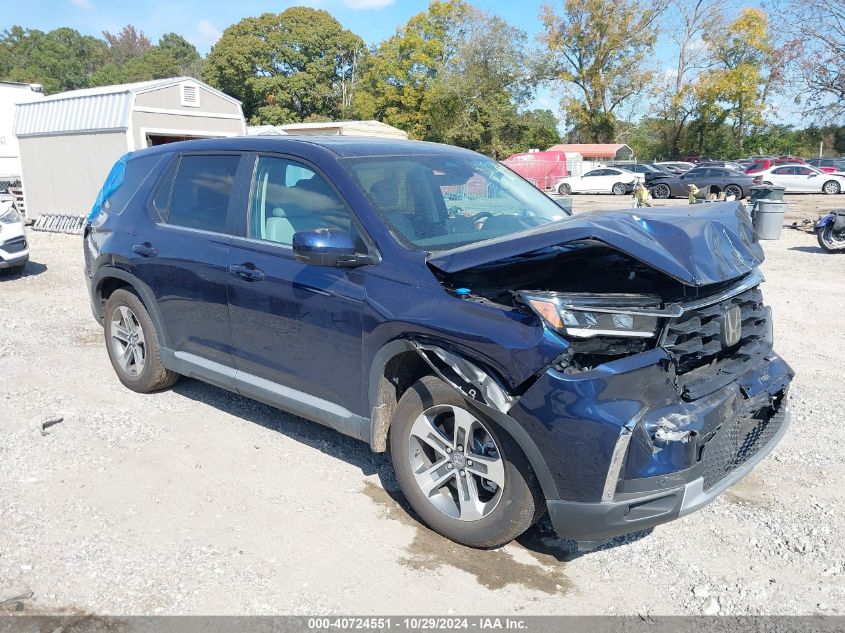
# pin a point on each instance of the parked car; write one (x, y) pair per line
(828, 165)
(725, 164)
(767, 163)
(707, 179)
(513, 359)
(14, 248)
(613, 180)
(803, 179)
(676, 165)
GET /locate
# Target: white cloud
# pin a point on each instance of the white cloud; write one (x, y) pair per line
(366, 4)
(85, 5)
(207, 31)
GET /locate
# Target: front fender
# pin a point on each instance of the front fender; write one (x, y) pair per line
(481, 390)
(825, 220)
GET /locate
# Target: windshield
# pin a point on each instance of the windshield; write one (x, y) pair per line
(438, 202)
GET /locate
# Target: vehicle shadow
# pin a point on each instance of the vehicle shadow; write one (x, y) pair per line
(31, 269)
(305, 432)
(807, 249)
(540, 539)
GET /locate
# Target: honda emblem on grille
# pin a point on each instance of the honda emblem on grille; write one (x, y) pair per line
(731, 325)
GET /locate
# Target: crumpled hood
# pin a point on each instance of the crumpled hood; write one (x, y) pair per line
(697, 244)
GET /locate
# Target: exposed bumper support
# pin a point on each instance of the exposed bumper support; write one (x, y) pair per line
(640, 511)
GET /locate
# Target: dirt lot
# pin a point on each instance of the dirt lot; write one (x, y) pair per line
(198, 501)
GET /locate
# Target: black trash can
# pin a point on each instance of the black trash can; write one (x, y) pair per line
(767, 192)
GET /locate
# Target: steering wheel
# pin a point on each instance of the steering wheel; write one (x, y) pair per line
(478, 217)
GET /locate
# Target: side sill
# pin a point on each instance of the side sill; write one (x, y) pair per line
(274, 394)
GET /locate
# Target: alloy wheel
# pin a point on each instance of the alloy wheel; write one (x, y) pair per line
(456, 462)
(733, 190)
(127, 341)
(564, 190)
(618, 189)
(831, 187)
(832, 240)
(661, 191)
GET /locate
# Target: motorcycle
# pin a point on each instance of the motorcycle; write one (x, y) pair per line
(830, 232)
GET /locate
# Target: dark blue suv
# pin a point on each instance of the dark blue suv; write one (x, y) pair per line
(613, 368)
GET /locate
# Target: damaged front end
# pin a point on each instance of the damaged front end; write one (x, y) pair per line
(668, 390)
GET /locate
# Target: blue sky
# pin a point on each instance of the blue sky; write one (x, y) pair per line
(202, 21)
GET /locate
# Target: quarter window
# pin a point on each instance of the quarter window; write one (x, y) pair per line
(134, 176)
(288, 197)
(201, 192)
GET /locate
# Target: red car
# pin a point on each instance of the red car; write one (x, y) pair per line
(763, 164)
(828, 165)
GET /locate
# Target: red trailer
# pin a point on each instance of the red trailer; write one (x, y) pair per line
(542, 169)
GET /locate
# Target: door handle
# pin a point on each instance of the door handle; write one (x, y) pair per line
(247, 272)
(145, 250)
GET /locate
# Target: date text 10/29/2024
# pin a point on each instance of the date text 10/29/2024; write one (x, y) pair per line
(420, 623)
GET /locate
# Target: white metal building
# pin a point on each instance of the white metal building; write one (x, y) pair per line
(333, 128)
(12, 93)
(69, 141)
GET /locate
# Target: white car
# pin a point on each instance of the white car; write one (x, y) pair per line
(14, 247)
(803, 179)
(604, 180)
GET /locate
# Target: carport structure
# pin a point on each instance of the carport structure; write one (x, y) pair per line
(69, 141)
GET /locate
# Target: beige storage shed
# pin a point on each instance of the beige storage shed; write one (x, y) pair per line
(69, 141)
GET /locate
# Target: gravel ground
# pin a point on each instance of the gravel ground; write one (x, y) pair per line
(197, 501)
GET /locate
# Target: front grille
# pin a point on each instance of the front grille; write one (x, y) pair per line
(735, 442)
(14, 245)
(693, 340)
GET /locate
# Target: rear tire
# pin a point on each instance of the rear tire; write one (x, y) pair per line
(829, 240)
(433, 424)
(619, 189)
(133, 345)
(734, 190)
(831, 187)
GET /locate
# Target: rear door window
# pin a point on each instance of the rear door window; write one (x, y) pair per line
(202, 189)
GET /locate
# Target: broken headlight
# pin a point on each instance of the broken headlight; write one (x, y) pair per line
(582, 316)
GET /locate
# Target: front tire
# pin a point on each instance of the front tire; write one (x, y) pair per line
(829, 240)
(564, 189)
(464, 476)
(661, 191)
(831, 187)
(133, 345)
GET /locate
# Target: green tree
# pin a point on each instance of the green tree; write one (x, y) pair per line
(598, 50)
(401, 82)
(452, 74)
(287, 67)
(60, 60)
(732, 95)
(173, 56)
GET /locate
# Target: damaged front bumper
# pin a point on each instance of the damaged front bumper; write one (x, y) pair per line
(616, 472)
(635, 511)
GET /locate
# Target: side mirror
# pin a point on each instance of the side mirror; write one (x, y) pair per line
(326, 247)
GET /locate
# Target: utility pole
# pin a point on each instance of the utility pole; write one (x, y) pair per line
(821, 148)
